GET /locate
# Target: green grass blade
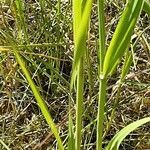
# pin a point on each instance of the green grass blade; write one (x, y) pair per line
(100, 114)
(71, 140)
(146, 7)
(80, 24)
(20, 9)
(58, 7)
(79, 105)
(126, 66)
(77, 7)
(102, 84)
(80, 37)
(74, 143)
(125, 69)
(42, 5)
(87, 58)
(76, 17)
(39, 99)
(118, 138)
(37, 95)
(81, 32)
(122, 35)
(101, 20)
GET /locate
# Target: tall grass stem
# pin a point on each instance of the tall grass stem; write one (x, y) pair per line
(100, 115)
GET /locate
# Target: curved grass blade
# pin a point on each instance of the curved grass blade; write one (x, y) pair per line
(146, 6)
(125, 69)
(77, 7)
(80, 37)
(82, 32)
(39, 99)
(122, 35)
(118, 138)
(37, 95)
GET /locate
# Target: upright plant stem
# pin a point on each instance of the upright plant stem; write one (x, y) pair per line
(80, 25)
(79, 105)
(100, 115)
(79, 96)
(102, 84)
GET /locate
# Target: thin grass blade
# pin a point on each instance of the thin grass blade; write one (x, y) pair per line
(101, 20)
(71, 140)
(146, 7)
(118, 138)
(81, 13)
(102, 82)
(20, 9)
(37, 95)
(80, 38)
(122, 35)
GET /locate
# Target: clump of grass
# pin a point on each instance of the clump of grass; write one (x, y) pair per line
(108, 60)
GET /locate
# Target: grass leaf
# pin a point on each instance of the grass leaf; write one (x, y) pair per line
(80, 37)
(146, 7)
(35, 91)
(118, 138)
(81, 15)
(102, 82)
(101, 20)
(122, 35)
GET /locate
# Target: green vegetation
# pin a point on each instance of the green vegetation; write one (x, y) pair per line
(62, 63)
